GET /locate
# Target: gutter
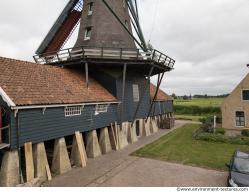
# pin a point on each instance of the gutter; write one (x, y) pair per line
(61, 105)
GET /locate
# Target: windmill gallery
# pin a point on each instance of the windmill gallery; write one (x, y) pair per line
(81, 102)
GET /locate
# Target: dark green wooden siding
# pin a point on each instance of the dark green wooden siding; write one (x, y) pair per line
(162, 107)
(37, 127)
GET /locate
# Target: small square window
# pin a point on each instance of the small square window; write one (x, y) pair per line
(135, 92)
(245, 95)
(73, 111)
(240, 119)
(90, 8)
(88, 33)
(101, 109)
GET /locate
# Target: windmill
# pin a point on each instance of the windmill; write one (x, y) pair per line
(79, 11)
(106, 42)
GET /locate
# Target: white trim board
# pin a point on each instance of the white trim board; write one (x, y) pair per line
(60, 105)
(6, 98)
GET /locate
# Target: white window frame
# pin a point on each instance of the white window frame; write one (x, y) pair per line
(135, 92)
(242, 94)
(88, 30)
(101, 108)
(71, 111)
(236, 119)
(90, 8)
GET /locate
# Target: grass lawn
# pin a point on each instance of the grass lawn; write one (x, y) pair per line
(202, 102)
(189, 117)
(179, 146)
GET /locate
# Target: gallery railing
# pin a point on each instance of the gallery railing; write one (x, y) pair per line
(104, 53)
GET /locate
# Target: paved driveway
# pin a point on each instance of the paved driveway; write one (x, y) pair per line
(118, 169)
(154, 173)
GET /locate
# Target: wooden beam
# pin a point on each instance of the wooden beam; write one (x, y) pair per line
(79, 141)
(155, 96)
(48, 173)
(87, 75)
(29, 161)
(123, 95)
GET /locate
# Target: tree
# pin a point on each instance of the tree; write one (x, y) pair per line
(185, 97)
(174, 96)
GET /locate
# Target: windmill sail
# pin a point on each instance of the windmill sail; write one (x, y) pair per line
(62, 28)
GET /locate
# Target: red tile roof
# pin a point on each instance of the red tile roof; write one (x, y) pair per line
(161, 95)
(28, 83)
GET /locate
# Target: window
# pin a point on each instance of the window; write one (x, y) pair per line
(73, 111)
(101, 109)
(240, 119)
(88, 33)
(135, 92)
(90, 8)
(245, 94)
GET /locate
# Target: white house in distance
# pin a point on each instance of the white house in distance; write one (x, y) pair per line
(235, 109)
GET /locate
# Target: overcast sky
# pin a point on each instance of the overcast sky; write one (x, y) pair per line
(209, 39)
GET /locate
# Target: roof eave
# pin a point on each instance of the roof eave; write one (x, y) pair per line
(6, 98)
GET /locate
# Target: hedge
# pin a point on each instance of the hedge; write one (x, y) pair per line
(196, 110)
(200, 135)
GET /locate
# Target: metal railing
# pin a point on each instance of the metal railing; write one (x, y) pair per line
(103, 53)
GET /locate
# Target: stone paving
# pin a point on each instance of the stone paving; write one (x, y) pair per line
(117, 169)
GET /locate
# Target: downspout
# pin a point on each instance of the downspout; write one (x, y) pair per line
(18, 144)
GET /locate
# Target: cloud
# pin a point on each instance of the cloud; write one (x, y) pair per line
(208, 39)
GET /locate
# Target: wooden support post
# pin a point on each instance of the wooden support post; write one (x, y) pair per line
(48, 172)
(155, 96)
(29, 162)
(78, 153)
(113, 137)
(87, 76)
(123, 95)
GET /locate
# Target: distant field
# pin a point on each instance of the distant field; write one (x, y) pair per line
(209, 102)
(197, 108)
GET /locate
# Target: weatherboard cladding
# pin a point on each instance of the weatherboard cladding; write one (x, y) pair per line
(129, 104)
(113, 82)
(162, 108)
(38, 127)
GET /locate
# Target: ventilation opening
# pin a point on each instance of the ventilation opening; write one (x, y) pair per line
(88, 33)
